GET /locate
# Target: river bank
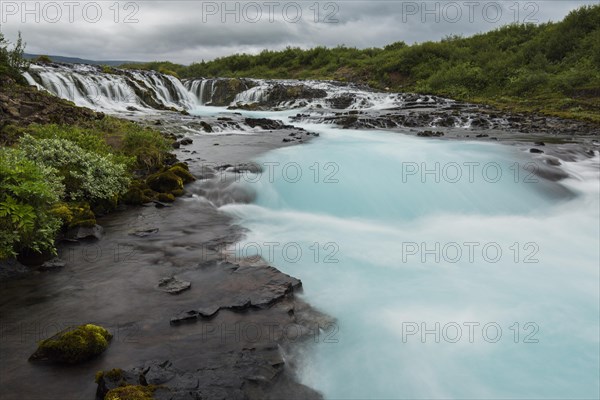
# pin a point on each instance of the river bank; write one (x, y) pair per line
(113, 282)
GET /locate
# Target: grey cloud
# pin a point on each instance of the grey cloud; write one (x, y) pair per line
(181, 32)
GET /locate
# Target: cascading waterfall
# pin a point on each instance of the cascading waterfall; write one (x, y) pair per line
(130, 90)
(89, 86)
(202, 89)
(256, 94)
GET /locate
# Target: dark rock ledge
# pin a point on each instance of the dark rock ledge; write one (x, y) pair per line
(228, 359)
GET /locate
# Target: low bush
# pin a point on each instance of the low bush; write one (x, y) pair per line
(87, 176)
(28, 191)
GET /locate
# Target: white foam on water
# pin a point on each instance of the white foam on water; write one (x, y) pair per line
(377, 290)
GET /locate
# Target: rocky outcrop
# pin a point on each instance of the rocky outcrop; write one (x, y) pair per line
(23, 105)
(239, 375)
(218, 91)
(280, 93)
(244, 286)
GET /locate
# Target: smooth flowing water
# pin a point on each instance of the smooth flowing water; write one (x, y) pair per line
(453, 272)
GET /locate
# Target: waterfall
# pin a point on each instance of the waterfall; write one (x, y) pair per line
(256, 94)
(203, 89)
(119, 90)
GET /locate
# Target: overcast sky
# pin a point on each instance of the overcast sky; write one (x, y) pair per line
(188, 31)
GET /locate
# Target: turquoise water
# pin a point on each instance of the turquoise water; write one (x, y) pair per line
(513, 253)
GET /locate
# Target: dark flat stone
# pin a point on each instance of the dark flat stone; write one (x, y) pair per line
(173, 285)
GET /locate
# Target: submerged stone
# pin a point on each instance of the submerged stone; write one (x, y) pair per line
(85, 232)
(173, 285)
(53, 264)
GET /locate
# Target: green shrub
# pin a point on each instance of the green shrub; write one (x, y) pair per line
(12, 63)
(88, 139)
(87, 176)
(148, 146)
(42, 59)
(528, 82)
(27, 193)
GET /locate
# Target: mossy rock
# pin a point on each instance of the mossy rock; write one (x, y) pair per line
(73, 345)
(134, 196)
(62, 211)
(166, 197)
(105, 206)
(183, 173)
(115, 374)
(149, 193)
(131, 392)
(165, 182)
(177, 193)
(83, 223)
(182, 165)
(74, 215)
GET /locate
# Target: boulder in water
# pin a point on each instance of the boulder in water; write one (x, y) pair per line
(73, 345)
(85, 232)
(165, 182)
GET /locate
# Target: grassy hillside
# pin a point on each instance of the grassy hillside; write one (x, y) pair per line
(552, 68)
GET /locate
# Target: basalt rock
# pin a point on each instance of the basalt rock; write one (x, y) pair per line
(245, 286)
(280, 93)
(173, 285)
(430, 134)
(243, 374)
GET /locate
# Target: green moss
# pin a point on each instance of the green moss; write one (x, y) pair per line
(166, 197)
(73, 345)
(177, 193)
(234, 84)
(134, 196)
(131, 392)
(104, 206)
(62, 211)
(82, 215)
(114, 375)
(182, 165)
(165, 182)
(74, 215)
(149, 193)
(183, 173)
